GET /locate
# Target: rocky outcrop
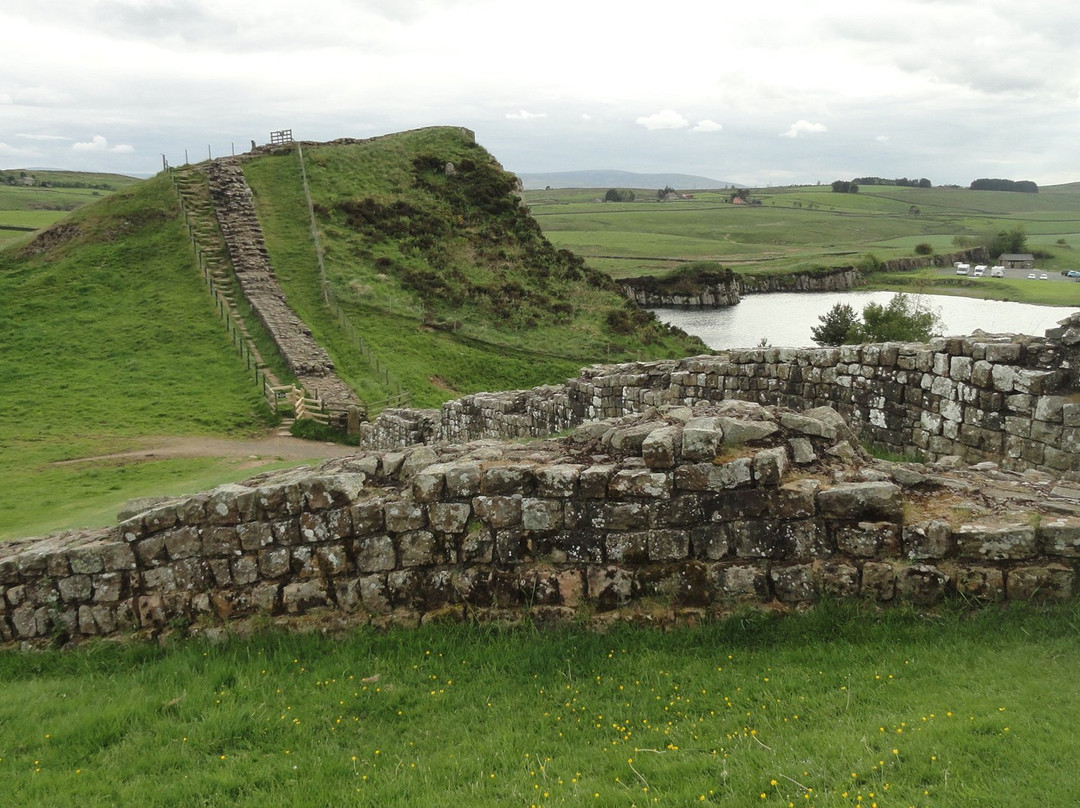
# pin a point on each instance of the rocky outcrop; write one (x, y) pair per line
(674, 513)
(838, 279)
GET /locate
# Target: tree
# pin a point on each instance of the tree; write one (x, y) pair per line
(617, 195)
(1008, 241)
(902, 319)
(835, 325)
(663, 192)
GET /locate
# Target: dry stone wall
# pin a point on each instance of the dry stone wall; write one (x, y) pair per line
(1007, 398)
(676, 514)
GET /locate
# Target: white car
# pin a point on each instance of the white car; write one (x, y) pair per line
(980, 270)
(1043, 277)
(962, 269)
(997, 272)
(1032, 276)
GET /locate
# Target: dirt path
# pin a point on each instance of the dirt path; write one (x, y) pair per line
(272, 447)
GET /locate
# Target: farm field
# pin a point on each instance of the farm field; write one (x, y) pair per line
(24, 209)
(807, 227)
(842, 706)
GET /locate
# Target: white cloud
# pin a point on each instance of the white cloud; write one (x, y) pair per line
(664, 119)
(802, 127)
(707, 126)
(882, 138)
(41, 97)
(99, 144)
(523, 115)
(16, 151)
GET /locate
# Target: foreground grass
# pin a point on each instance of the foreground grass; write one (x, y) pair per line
(841, 707)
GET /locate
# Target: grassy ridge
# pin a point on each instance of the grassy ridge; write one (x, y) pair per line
(839, 707)
(443, 276)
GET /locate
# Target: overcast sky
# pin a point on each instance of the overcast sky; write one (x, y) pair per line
(758, 93)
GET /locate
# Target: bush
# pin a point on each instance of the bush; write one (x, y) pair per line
(924, 249)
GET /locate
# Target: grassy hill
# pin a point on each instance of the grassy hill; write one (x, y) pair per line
(110, 339)
(800, 228)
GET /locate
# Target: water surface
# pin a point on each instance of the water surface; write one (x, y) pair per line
(785, 318)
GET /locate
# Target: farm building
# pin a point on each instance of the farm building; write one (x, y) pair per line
(1017, 260)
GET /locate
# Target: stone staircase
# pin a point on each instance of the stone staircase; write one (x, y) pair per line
(226, 235)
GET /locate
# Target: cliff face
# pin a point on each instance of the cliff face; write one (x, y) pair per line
(839, 279)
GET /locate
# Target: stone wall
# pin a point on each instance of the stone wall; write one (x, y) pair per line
(1007, 398)
(679, 513)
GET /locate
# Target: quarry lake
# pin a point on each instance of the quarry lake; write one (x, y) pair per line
(785, 318)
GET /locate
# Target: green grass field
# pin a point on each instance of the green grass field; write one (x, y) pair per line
(90, 366)
(839, 707)
(810, 226)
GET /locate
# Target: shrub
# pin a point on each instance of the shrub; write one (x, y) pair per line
(924, 249)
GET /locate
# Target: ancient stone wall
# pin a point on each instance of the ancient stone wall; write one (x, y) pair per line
(306, 359)
(682, 513)
(1005, 398)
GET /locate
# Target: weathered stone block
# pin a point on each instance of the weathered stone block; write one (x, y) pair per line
(879, 580)
(462, 479)
(417, 548)
(593, 481)
(274, 562)
(1048, 582)
(610, 587)
(930, 540)
(180, 542)
(794, 584)
(838, 579)
(922, 584)
(769, 466)
(368, 517)
(627, 547)
(741, 584)
(498, 511)
(668, 545)
(299, 597)
(621, 516)
(449, 517)
(640, 483)
(1061, 536)
(701, 438)
(737, 431)
(872, 501)
(220, 542)
(557, 480)
(508, 479)
(541, 514)
(979, 583)
(253, 535)
(867, 539)
(375, 553)
(403, 515)
(661, 447)
(995, 542)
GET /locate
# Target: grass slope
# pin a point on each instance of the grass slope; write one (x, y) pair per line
(800, 228)
(839, 707)
(443, 274)
(109, 337)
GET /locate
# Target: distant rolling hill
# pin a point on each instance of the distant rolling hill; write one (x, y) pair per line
(619, 179)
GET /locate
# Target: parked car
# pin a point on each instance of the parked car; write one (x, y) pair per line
(997, 272)
(1032, 276)
(962, 269)
(1043, 277)
(980, 270)
(1073, 273)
